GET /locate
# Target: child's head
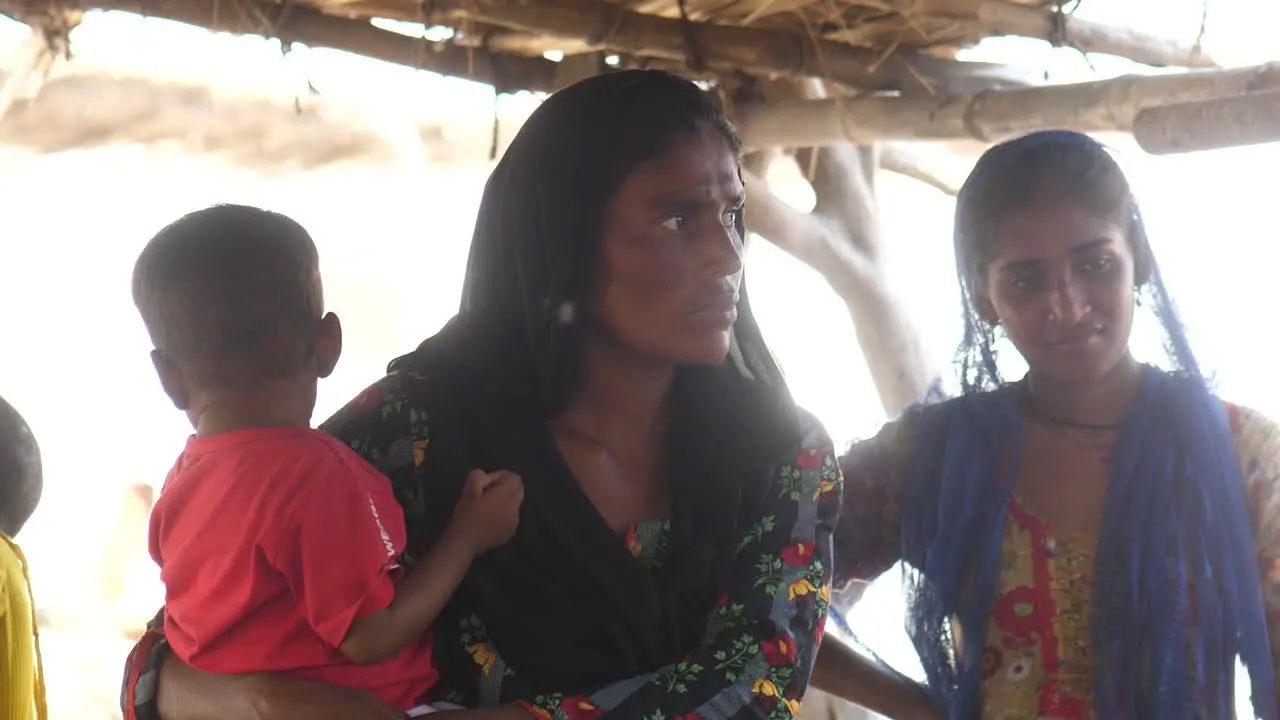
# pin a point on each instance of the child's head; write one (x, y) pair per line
(232, 299)
(21, 480)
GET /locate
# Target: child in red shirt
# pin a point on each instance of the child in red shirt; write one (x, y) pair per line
(279, 546)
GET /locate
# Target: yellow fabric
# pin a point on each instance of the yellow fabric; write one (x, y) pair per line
(1037, 657)
(22, 692)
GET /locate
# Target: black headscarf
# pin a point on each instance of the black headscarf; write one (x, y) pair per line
(565, 604)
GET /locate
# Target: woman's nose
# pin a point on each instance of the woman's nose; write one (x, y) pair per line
(1067, 303)
(725, 248)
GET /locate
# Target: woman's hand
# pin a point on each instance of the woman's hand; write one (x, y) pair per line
(188, 694)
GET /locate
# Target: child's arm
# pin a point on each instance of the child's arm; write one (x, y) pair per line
(486, 516)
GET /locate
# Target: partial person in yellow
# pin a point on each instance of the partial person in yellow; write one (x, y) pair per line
(22, 694)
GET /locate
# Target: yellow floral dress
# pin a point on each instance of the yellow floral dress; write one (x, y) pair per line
(1037, 657)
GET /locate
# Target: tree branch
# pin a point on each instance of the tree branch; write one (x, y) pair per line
(799, 234)
(968, 21)
(901, 160)
(1099, 106)
(844, 186)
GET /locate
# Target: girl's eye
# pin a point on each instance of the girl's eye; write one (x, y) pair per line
(1098, 264)
(731, 217)
(675, 223)
(1023, 282)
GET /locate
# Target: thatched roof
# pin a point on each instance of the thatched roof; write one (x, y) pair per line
(891, 66)
(900, 45)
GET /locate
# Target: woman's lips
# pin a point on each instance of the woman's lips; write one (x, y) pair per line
(722, 309)
(1077, 340)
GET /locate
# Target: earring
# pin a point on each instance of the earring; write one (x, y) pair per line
(565, 314)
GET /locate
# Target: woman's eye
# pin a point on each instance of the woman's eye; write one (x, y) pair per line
(731, 217)
(675, 223)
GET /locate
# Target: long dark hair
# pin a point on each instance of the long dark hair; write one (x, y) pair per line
(1177, 594)
(512, 359)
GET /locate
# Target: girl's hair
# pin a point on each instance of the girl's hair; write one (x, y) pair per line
(1013, 176)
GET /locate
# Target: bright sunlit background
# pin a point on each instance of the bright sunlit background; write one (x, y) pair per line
(393, 240)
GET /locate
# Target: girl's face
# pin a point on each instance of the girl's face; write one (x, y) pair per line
(1061, 283)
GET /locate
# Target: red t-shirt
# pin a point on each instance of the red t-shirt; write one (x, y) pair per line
(271, 542)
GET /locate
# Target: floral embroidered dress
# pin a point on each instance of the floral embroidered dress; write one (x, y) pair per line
(761, 638)
(1037, 659)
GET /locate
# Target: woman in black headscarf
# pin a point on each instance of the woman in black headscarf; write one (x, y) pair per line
(673, 556)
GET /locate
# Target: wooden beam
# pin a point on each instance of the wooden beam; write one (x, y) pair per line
(1209, 124)
(1103, 105)
(968, 21)
(294, 23)
(998, 17)
(724, 48)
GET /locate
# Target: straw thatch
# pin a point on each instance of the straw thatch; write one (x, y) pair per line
(903, 51)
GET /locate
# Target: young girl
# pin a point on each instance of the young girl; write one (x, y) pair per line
(1084, 542)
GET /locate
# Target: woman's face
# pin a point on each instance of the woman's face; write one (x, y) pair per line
(1061, 283)
(672, 258)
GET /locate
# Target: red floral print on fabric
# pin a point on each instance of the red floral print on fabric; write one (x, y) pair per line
(1015, 612)
(779, 651)
(534, 710)
(1042, 612)
(578, 707)
(633, 543)
(1054, 703)
(799, 552)
(812, 458)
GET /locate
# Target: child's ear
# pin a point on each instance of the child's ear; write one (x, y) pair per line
(172, 380)
(328, 344)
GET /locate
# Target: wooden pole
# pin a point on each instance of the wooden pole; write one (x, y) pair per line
(1210, 124)
(726, 48)
(930, 22)
(1100, 106)
(289, 22)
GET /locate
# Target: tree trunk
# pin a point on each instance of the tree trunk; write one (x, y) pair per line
(840, 239)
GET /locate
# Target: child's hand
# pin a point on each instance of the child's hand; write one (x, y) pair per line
(489, 510)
